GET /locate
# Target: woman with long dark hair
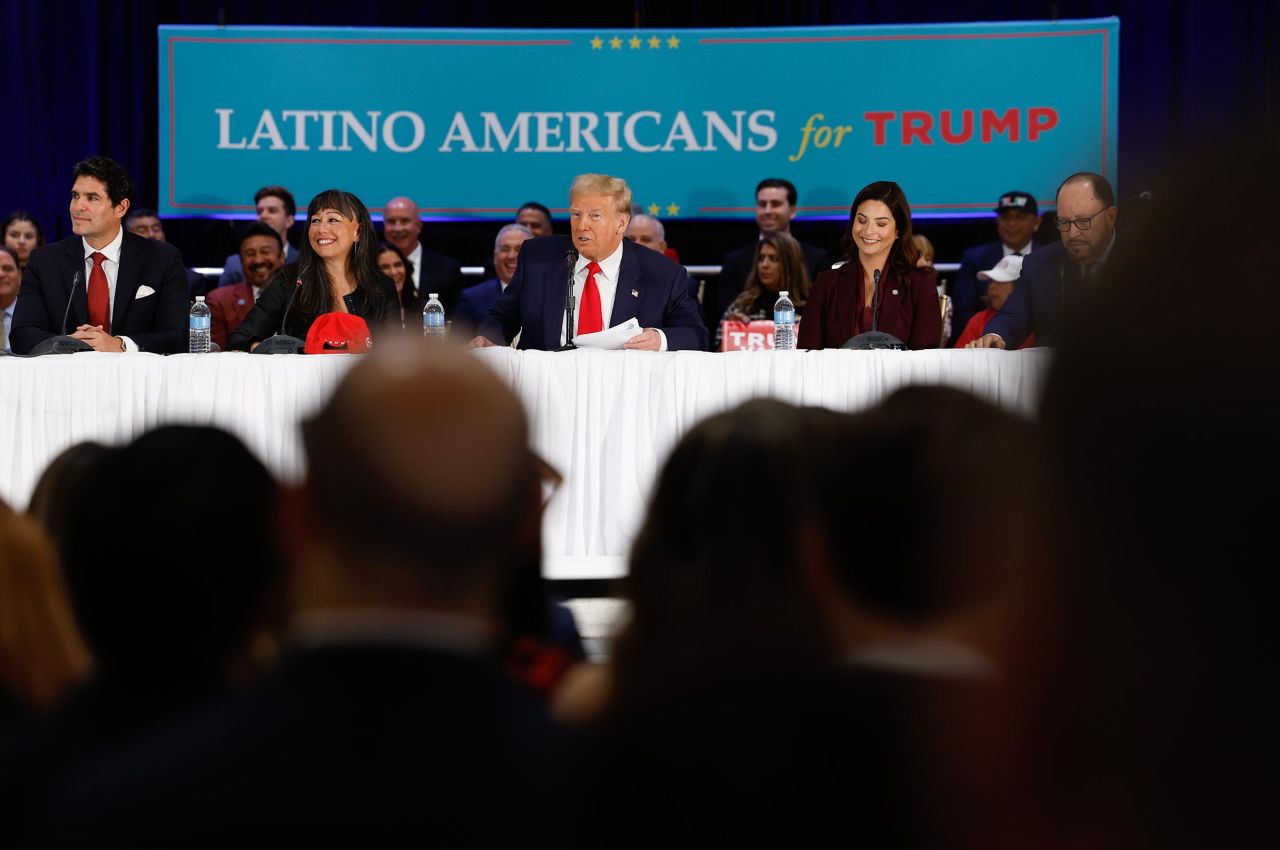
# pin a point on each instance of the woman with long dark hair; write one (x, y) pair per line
(395, 265)
(337, 272)
(845, 302)
(778, 267)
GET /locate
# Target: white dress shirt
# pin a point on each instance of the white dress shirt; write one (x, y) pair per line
(110, 267)
(607, 284)
(6, 322)
(416, 258)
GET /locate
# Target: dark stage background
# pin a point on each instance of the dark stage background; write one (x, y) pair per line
(81, 78)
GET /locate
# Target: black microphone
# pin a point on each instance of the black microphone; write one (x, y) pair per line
(570, 262)
(280, 342)
(875, 299)
(64, 344)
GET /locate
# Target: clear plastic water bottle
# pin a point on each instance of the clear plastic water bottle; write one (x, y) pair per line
(199, 325)
(433, 318)
(784, 323)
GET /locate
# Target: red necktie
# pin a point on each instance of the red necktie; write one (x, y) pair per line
(589, 320)
(99, 299)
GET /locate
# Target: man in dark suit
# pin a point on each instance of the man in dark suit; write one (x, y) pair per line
(1059, 275)
(130, 292)
(475, 301)
(775, 208)
(1017, 219)
(432, 272)
(613, 277)
(261, 256)
(386, 719)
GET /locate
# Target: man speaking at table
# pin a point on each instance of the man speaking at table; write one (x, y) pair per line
(614, 280)
(114, 290)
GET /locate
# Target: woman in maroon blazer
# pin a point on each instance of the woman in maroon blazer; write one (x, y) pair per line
(878, 239)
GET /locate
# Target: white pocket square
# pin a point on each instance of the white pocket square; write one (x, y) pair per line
(144, 291)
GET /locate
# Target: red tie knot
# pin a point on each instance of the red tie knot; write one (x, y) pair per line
(98, 257)
(593, 267)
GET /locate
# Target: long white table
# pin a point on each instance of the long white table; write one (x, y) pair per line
(606, 420)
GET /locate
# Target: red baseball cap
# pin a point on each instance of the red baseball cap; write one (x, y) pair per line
(338, 333)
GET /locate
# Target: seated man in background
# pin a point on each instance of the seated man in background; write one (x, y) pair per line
(776, 201)
(536, 217)
(432, 271)
(475, 301)
(112, 289)
(261, 256)
(276, 209)
(613, 280)
(1058, 276)
(1017, 219)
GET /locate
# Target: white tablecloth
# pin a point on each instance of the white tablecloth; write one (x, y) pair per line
(606, 420)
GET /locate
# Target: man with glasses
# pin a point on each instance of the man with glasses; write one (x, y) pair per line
(1059, 274)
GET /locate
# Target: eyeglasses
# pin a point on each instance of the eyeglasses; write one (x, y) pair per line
(1082, 224)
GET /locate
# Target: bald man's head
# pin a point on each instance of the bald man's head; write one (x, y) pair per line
(402, 223)
(421, 458)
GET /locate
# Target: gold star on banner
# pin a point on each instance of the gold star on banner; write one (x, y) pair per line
(672, 209)
(654, 209)
(635, 42)
(673, 42)
(597, 43)
(655, 43)
(615, 43)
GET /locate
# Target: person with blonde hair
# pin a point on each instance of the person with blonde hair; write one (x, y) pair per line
(41, 651)
(613, 279)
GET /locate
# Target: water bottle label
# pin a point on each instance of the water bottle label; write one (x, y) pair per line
(784, 317)
(433, 320)
(200, 323)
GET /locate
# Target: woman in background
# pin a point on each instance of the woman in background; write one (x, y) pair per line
(395, 265)
(778, 267)
(22, 233)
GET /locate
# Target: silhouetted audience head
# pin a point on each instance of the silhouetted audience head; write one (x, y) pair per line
(41, 653)
(904, 541)
(170, 553)
(1149, 712)
(714, 581)
(420, 480)
(51, 498)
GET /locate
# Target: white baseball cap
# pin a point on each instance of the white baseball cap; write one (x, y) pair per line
(1008, 269)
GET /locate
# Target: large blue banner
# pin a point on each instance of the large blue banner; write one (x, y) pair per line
(473, 123)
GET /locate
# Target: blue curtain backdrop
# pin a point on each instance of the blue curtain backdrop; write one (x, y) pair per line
(81, 77)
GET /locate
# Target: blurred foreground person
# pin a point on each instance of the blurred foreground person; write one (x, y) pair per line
(386, 718)
(766, 691)
(41, 653)
(166, 613)
(1146, 711)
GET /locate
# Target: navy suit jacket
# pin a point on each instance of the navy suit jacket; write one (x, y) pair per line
(651, 289)
(156, 322)
(1050, 282)
(474, 303)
